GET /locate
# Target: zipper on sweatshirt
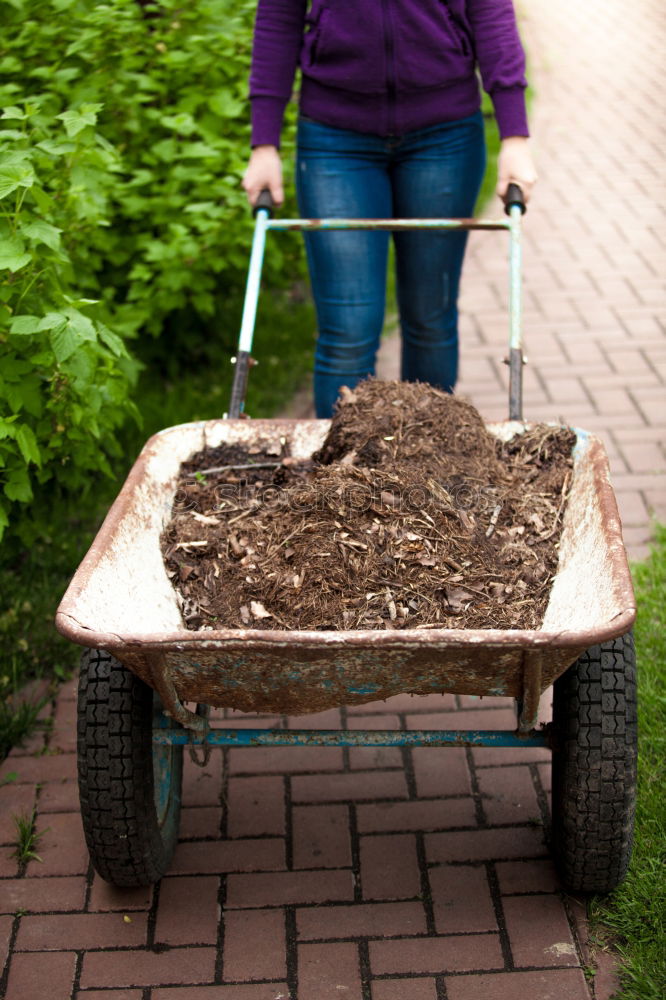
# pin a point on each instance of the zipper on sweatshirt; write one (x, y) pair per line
(389, 49)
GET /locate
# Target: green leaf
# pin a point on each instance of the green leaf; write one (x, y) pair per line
(18, 486)
(63, 341)
(112, 341)
(12, 256)
(27, 442)
(6, 428)
(76, 121)
(225, 104)
(15, 175)
(43, 232)
(74, 330)
(52, 320)
(83, 327)
(13, 112)
(23, 326)
(56, 148)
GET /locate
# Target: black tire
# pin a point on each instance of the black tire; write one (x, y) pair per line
(594, 767)
(130, 830)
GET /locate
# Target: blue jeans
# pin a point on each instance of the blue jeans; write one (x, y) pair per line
(429, 173)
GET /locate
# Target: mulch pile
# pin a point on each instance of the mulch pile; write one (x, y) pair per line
(411, 515)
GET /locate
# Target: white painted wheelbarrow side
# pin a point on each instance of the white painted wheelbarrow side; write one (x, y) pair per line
(121, 600)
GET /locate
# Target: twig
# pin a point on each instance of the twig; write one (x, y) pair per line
(229, 468)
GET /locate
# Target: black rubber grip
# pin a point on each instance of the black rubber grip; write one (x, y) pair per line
(239, 387)
(265, 200)
(514, 196)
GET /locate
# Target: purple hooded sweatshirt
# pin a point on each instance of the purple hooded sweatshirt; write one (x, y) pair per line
(386, 66)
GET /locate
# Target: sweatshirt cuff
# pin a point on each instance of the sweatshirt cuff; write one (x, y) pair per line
(510, 111)
(267, 115)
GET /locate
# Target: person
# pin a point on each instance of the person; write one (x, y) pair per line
(389, 126)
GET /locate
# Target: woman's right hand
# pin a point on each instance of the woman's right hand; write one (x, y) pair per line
(264, 170)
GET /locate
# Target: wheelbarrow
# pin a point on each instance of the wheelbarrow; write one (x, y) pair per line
(142, 666)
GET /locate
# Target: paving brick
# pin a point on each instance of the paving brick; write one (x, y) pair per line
(63, 733)
(47, 895)
(200, 823)
(109, 995)
(539, 931)
(389, 867)
(406, 703)
(62, 848)
(256, 806)
(284, 760)
(527, 876)
(188, 911)
(381, 758)
(419, 815)
(240, 991)
(402, 989)
(46, 767)
(330, 719)
(254, 945)
(59, 796)
(202, 786)
(564, 984)
(479, 845)
(148, 968)
(321, 837)
(284, 888)
(329, 971)
(42, 975)
(217, 857)
(80, 931)
(6, 924)
(632, 507)
(441, 771)
(105, 897)
(487, 718)
(349, 787)
(461, 899)
(508, 795)
(8, 863)
(436, 955)
(646, 456)
(504, 756)
(361, 920)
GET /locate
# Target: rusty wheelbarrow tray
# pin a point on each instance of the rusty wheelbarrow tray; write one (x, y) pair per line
(142, 665)
(121, 600)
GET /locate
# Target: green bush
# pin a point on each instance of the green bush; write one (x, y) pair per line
(65, 376)
(126, 129)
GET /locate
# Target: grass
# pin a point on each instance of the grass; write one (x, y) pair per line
(633, 918)
(27, 838)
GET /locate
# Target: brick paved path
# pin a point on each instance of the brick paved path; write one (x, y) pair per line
(382, 874)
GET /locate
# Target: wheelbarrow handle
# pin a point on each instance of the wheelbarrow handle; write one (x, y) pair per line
(265, 201)
(261, 210)
(513, 197)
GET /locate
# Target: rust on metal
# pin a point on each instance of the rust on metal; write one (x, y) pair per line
(532, 688)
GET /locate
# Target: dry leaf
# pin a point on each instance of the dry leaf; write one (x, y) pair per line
(258, 610)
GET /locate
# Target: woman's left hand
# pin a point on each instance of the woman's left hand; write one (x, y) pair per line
(516, 166)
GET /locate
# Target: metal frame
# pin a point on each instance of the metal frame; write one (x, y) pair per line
(264, 223)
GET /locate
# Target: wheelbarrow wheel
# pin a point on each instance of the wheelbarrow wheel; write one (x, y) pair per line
(594, 767)
(129, 789)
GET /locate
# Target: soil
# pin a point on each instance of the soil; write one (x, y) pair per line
(411, 515)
